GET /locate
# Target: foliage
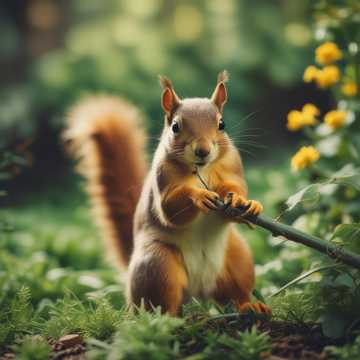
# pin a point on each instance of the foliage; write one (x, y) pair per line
(327, 205)
(69, 315)
(250, 345)
(294, 306)
(147, 335)
(15, 316)
(32, 348)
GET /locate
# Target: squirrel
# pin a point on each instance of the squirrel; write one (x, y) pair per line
(162, 223)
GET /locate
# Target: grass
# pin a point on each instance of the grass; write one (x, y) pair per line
(54, 280)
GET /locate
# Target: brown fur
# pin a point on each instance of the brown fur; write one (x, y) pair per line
(159, 279)
(238, 278)
(106, 134)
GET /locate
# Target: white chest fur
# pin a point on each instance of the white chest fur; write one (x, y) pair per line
(203, 246)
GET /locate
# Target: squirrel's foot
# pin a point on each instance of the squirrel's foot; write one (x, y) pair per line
(252, 207)
(235, 200)
(205, 200)
(257, 307)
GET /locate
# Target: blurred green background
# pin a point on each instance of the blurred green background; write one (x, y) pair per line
(53, 52)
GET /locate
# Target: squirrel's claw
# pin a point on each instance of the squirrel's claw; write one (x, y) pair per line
(205, 200)
(236, 200)
(254, 208)
(251, 207)
(257, 307)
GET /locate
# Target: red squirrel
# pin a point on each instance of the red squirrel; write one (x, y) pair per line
(162, 223)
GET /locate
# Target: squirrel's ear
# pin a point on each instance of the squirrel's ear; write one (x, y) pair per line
(219, 96)
(169, 101)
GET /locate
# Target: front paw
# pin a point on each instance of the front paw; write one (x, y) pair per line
(251, 207)
(205, 200)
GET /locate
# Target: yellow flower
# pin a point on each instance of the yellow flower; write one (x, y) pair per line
(335, 118)
(295, 120)
(298, 119)
(328, 76)
(327, 53)
(310, 73)
(311, 109)
(349, 88)
(306, 156)
(324, 78)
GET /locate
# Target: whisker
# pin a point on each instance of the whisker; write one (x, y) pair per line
(248, 130)
(247, 117)
(250, 115)
(242, 150)
(251, 143)
(245, 135)
(249, 133)
(255, 146)
(252, 138)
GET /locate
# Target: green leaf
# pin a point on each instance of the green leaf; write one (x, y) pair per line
(348, 175)
(347, 232)
(307, 194)
(344, 280)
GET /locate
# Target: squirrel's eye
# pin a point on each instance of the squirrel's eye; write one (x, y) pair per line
(175, 127)
(221, 125)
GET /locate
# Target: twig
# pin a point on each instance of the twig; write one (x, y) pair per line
(278, 229)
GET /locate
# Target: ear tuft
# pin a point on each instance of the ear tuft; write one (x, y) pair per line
(165, 82)
(223, 76)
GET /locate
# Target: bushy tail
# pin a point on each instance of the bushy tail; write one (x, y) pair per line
(106, 134)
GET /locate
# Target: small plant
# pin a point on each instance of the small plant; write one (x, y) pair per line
(16, 317)
(97, 320)
(32, 348)
(146, 336)
(250, 345)
(102, 321)
(295, 306)
(66, 316)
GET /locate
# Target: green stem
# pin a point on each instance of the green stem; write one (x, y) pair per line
(278, 229)
(301, 277)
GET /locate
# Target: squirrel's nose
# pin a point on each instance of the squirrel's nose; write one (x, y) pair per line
(202, 152)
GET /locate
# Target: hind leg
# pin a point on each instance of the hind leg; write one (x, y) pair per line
(236, 283)
(157, 277)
